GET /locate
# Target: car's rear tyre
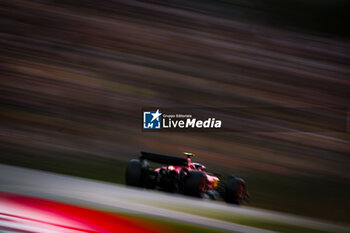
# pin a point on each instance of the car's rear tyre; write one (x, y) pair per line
(235, 190)
(194, 184)
(136, 173)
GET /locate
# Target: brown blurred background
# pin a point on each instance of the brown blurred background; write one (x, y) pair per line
(74, 76)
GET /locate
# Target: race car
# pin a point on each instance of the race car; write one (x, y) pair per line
(181, 175)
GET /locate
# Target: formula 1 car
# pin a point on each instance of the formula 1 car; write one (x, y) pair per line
(181, 175)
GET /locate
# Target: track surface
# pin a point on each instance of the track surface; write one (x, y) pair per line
(111, 197)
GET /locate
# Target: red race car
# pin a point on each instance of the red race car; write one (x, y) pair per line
(183, 176)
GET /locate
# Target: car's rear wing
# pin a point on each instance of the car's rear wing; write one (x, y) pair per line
(163, 159)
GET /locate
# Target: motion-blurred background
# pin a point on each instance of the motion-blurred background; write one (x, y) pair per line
(74, 76)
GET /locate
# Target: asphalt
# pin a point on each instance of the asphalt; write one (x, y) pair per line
(114, 197)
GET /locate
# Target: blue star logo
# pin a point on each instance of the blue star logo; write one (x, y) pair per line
(151, 119)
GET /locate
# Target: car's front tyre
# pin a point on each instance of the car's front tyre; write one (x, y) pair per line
(235, 190)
